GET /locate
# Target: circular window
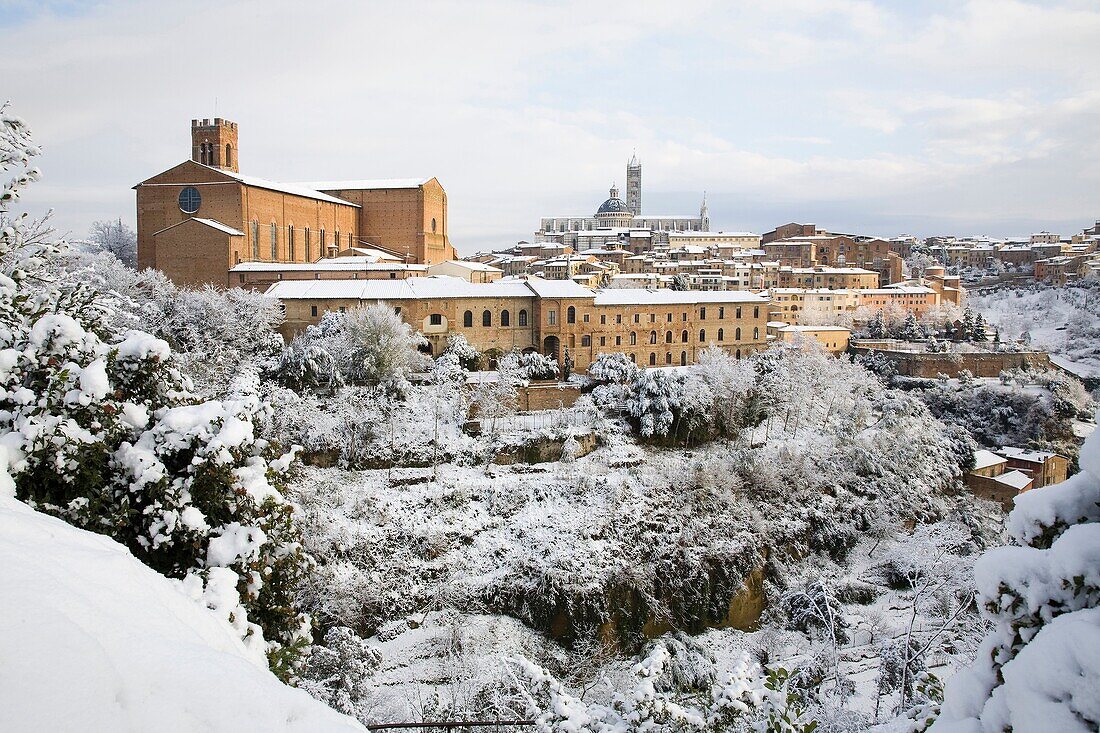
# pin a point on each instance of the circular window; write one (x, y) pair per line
(190, 200)
(433, 225)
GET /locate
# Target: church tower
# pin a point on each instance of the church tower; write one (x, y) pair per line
(634, 185)
(704, 215)
(214, 143)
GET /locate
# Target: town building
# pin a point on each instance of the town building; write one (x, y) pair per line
(201, 218)
(554, 317)
(992, 478)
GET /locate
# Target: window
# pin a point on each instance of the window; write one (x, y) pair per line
(632, 358)
(523, 317)
(737, 314)
(468, 319)
(255, 240)
(668, 357)
(637, 318)
(603, 320)
(603, 341)
(190, 200)
(737, 334)
(309, 247)
(552, 317)
(653, 360)
(756, 334)
(343, 309)
(683, 337)
(571, 315)
(433, 225)
(619, 318)
(290, 242)
(652, 317)
(633, 338)
(756, 312)
(702, 336)
(586, 340)
(228, 155)
(505, 318)
(683, 358)
(274, 242)
(738, 353)
(486, 318)
(721, 311)
(618, 340)
(703, 313)
(669, 318)
(313, 311)
(721, 335)
(321, 243)
(652, 337)
(668, 337)
(435, 319)
(336, 239)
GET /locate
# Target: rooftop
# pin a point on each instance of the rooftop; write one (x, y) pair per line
(370, 184)
(984, 459)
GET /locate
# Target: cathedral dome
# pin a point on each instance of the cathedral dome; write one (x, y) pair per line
(613, 205)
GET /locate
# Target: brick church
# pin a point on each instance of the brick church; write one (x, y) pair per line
(202, 217)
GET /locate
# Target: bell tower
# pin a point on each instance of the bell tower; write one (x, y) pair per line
(634, 185)
(214, 143)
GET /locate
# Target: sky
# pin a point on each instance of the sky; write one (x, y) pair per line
(881, 118)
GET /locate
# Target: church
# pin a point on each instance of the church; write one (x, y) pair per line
(199, 219)
(624, 215)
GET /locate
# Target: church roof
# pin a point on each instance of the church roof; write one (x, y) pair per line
(366, 184)
(613, 205)
(295, 189)
(213, 224)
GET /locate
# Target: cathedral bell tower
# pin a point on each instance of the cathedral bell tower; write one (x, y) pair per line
(634, 185)
(214, 143)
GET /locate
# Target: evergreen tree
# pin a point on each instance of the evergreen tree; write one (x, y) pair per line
(979, 333)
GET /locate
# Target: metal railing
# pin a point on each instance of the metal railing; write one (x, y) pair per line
(453, 725)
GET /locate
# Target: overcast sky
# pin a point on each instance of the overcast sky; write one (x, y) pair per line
(884, 118)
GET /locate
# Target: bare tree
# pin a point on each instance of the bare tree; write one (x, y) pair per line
(117, 238)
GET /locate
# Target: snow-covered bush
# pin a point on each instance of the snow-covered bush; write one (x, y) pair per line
(612, 374)
(654, 401)
(305, 364)
(116, 238)
(461, 349)
(1039, 668)
(338, 670)
(533, 365)
(99, 428)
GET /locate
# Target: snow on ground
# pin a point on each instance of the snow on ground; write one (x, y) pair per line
(92, 640)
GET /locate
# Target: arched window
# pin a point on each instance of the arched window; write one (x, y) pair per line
(683, 358)
(523, 317)
(737, 334)
(290, 241)
(683, 337)
(668, 337)
(633, 338)
(436, 319)
(738, 313)
(652, 337)
(756, 334)
(571, 315)
(486, 318)
(468, 319)
(653, 360)
(739, 353)
(274, 242)
(228, 155)
(668, 357)
(309, 247)
(702, 336)
(255, 240)
(433, 225)
(505, 318)
(756, 312)
(633, 358)
(721, 335)
(586, 340)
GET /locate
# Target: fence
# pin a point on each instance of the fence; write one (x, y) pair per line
(457, 726)
(531, 421)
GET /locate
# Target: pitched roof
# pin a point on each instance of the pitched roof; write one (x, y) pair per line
(984, 459)
(213, 224)
(1016, 479)
(664, 296)
(370, 184)
(295, 189)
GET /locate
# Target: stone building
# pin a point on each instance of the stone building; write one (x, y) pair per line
(199, 219)
(553, 317)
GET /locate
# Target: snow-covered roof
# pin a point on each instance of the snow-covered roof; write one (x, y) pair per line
(435, 286)
(1016, 479)
(803, 329)
(296, 189)
(554, 288)
(468, 265)
(370, 184)
(205, 222)
(1026, 454)
(984, 459)
(641, 296)
(349, 264)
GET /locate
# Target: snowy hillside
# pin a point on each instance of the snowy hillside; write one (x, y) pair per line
(92, 640)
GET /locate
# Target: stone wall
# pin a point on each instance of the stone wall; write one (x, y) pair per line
(980, 364)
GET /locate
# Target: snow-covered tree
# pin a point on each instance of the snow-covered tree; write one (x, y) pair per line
(305, 364)
(612, 375)
(1039, 668)
(654, 400)
(498, 396)
(467, 355)
(978, 333)
(534, 365)
(99, 428)
(117, 238)
(385, 349)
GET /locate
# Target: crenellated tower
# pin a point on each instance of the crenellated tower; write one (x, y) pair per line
(214, 143)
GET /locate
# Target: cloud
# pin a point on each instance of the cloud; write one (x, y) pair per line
(526, 109)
